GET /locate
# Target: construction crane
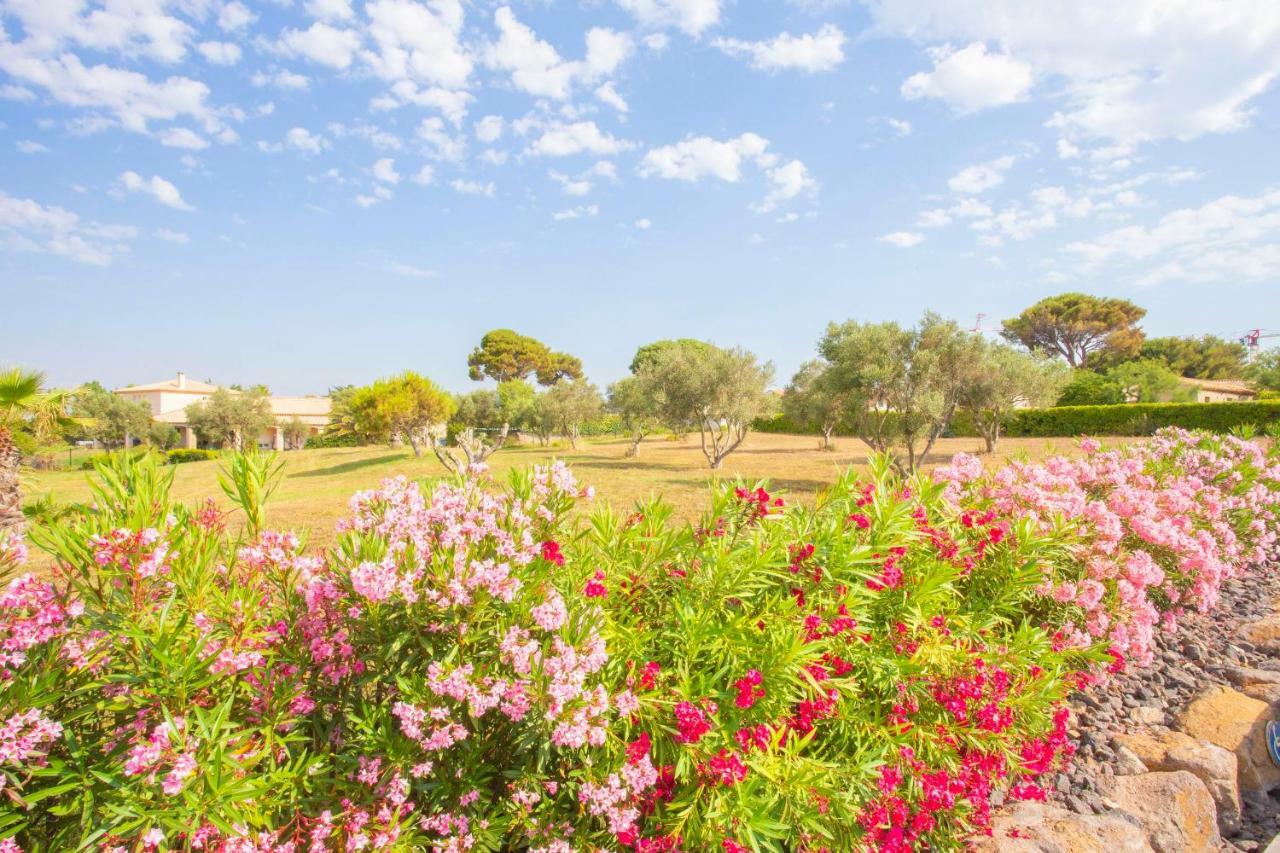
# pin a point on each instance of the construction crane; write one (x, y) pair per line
(1251, 338)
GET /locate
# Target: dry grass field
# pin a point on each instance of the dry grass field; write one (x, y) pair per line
(316, 484)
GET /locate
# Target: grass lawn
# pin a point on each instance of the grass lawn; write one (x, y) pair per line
(317, 483)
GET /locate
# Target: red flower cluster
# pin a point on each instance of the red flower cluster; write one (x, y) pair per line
(749, 689)
(725, 768)
(891, 573)
(595, 587)
(551, 552)
(758, 502)
(691, 722)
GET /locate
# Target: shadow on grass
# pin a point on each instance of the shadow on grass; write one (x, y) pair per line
(346, 467)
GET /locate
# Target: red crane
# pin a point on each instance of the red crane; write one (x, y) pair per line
(1253, 336)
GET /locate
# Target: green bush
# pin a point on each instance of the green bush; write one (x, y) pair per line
(316, 442)
(190, 454)
(1139, 418)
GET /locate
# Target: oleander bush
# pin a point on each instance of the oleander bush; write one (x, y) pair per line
(505, 667)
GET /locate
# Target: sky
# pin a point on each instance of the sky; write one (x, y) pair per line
(307, 193)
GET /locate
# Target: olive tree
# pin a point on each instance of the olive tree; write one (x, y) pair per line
(720, 390)
(230, 418)
(814, 401)
(408, 406)
(109, 418)
(565, 407)
(635, 401)
(904, 384)
(1007, 378)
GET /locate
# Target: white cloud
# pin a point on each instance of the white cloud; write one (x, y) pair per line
(418, 43)
(902, 127)
(971, 79)
(235, 16)
(438, 143)
(786, 183)
(28, 226)
(691, 16)
(322, 43)
(411, 271)
(14, 92)
(476, 188)
(330, 10)
(643, 224)
(168, 236)
(1229, 239)
(30, 146)
(811, 52)
(281, 79)
(425, 175)
(563, 140)
(156, 187)
(182, 137)
(385, 170)
(606, 94)
(378, 195)
(1128, 72)
(982, 176)
(902, 239)
(489, 129)
(576, 212)
(303, 140)
(657, 42)
(538, 69)
(701, 156)
(220, 52)
(571, 186)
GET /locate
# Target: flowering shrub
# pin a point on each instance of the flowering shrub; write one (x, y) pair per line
(475, 667)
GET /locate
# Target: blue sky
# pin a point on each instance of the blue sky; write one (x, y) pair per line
(319, 192)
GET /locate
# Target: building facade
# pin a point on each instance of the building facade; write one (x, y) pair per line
(168, 401)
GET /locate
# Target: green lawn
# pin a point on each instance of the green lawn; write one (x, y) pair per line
(317, 484)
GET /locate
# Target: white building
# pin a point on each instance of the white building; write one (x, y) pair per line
(168, 401)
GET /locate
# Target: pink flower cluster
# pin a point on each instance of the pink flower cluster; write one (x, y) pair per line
(31, 613)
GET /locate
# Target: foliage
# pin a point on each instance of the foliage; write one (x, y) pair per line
(108, 418)
(1122, 419)
(648, 354)
(482, 668)
(1004, 379)
(813, 400)
(233, 419)
(476, 409)
(1206, 357)
(1075, 325)
(161, 436)
(248, 479)
(565, 407)
(408, 406)
(26, 405)
(636, 404)
(1150, 381)
(904, 385)
(329, 438)
(721, 391)
(1265, 370)
(504, 355)
(190, 454)
(1087, 388)
(296, 433)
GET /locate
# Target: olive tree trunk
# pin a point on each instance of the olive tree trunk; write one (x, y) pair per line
(11, 517)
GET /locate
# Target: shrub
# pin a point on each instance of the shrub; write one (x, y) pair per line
(1119, 420)
(326, 439)
(483, 668)
(190, 454)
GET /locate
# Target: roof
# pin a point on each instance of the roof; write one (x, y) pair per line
(189, 386)
(1223, 386)
(317, 406)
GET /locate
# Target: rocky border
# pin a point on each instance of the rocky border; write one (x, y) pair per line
(1172, 757)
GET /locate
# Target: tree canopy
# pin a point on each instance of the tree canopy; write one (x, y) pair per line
(648, 353)
(1075, 325)
(108, 418)
(504, 355)
(904, 384)
(1150, 381)
(813, 400)
(565, 407)
(409, 406)
(232, 418)
(721, 391)
(1007, 378)
(636, 404)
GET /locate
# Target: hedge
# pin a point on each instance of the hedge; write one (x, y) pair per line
(190, 454)
(1122, 419)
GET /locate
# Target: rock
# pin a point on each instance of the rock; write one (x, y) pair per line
(1213, 765)
(1244, 676)
(1235, 722)
(1175, 809)
(1045, 828)
(1269, 693)
(1265, 633)
(1146, 716)
(1127, 763)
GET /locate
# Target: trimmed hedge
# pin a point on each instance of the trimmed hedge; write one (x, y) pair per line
(316, 442)
(1122, 419)
(190, 454)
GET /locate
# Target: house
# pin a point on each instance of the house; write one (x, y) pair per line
(168, 401)
(1221, 390)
